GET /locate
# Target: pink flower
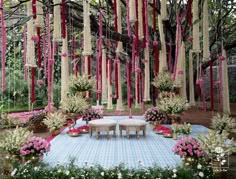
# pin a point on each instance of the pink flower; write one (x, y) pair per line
(64, 54)
(35, 38)
(190, 39)
(221, 57)
(180, 72)
(40, 82)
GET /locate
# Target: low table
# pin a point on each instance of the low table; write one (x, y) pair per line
(100, 125)
(132, 125)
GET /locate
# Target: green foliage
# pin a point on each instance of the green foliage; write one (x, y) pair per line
(71, 171)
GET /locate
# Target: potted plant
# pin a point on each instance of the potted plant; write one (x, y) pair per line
(163, 81)
(91, 114)
(14, 140)
(153, 116)
(74, 104)
(81, 83)
(189, 149)
(34, 149)
(220, 123)
(173, 106)
(54, 122)
(218, 147)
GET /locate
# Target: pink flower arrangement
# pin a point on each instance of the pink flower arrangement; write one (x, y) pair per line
(153, 114)
(35, 146)
(188, 146)
(74, 130)
(83, 128)
(221, 57)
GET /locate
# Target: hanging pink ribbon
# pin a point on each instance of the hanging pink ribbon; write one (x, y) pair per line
(89, 73)
(133, 53)
(45, 55)
(39, 48)
(203, 90)
(116, 77)
(25, 48)
(32, 97)
(34, 10)
(211, 85)
(189, 12)
(50, 74)
(4, 43)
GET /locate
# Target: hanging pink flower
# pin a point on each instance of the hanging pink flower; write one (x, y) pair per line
(199, 81)
(180, 72)
(35, 38)
(190, 39)
(64, 54)
(221, 57)
(218, 83)
(155, 43)
(138, 70)
(40, 82)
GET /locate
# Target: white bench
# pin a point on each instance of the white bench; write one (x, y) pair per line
(100, 125)
(132, 125)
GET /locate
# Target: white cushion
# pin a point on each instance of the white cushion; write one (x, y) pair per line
(132, 122)
(102, 122)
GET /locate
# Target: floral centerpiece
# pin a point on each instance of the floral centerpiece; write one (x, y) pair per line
(220, 123)
(91, 114)
(163, 81)
(81, 83)
(173, 105)
(54, 122)
(14, 140)
(74, 104)
(35, 147)
(218, 148)
(189, 149)
(153, 115)
(213, 139)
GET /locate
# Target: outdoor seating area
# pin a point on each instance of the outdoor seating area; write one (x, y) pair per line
(117, 89)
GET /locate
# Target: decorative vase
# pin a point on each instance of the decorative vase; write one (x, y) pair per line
(33, 159)
(174, 135)
(189, 161)
(55, 132)
(216, 166)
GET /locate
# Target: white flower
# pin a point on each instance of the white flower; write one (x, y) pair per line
(174, 170)
(36, 168)
(13, 172)
(59, 171)
(201, 174)
(199, 166)
(102, 173)
(67, 172)
(174, 176)
(72, 178)
(119, 175)
(219, 150)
